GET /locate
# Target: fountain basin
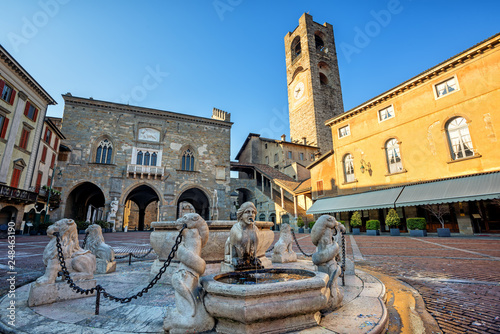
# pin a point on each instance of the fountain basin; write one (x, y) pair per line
(162, 239)
(290, 301)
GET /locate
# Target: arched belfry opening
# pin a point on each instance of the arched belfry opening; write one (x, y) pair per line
(141, 208)
(85, 203)
(197, 198)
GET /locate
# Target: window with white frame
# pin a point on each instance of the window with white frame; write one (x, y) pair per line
(344, 131)
(446, 87)
(146, 158)
(348, 168)
(104, 152)
(386, 113)
(393, 156)
(459, 138)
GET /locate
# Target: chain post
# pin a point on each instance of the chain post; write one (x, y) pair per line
(129, 259)
(97, 299)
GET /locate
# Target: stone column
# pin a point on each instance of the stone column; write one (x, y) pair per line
(262, 185)
(295, 206)
(282, 198)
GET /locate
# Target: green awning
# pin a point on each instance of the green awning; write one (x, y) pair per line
(364, 201)
(472, 188)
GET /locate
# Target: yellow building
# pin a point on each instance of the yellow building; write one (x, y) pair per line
(431, 140)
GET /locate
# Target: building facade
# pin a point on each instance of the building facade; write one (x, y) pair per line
(313, 81)
(428, 146)
(143, 162)
(23, 105)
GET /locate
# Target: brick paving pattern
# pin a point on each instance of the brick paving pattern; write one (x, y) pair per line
(458, 278)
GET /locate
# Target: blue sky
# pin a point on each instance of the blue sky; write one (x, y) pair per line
(191, 56)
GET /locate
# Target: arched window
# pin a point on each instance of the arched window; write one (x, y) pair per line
(146, 158)
(323, 79)
(296, 48)
(348, 168)
(459, 138)
(139, 158)
(104, 152)
(154, 157)
(393, 156)
(187, 160)
(320, 45)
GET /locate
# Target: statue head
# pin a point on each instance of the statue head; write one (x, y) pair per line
(246, 213)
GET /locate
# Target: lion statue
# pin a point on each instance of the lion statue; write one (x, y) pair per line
(103, 252)
(79, 262)
(283, 251)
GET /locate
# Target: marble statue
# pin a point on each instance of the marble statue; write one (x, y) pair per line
(283, 252)
(189, 314)
(241, 245)
(113, 208)
(79, 262)
(185, 207)
(326, 255)
(104, 254)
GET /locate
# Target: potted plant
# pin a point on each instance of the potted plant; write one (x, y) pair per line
(373, 227)
(417, 227)
(300, 224)
(82, 226)
(392, 220)
(439, 211)
(356, 222)
(311, 224)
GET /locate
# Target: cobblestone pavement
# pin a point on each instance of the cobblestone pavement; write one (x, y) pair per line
(458, 277)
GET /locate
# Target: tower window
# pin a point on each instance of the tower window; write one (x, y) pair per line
(320, 45)
(296, 48)
(323, 79)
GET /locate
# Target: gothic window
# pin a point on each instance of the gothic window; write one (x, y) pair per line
(154, 157)
(147, 155)
(393, 156)
(348, 168)
(296, 48)
(320, 45)
(104, 152)
(139, 158)
(188, 160)
(459, 138)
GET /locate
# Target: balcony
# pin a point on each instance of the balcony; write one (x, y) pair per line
(147, 172)
(14, 195)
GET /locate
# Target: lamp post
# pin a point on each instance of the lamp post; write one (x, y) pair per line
(59, 175)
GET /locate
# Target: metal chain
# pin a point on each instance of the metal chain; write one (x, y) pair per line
(100, 289)
(296, 242)
(343, 259)
(142, 256)
(122, 257)
(85, 240)
(270, 249)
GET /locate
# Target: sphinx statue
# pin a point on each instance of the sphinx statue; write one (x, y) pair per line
(189, 314)
(283, 251)
(327, 253)
(240, 251)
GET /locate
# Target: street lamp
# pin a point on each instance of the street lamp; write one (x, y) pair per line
(59, 175)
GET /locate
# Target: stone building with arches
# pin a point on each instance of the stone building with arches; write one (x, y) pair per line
(148, 161)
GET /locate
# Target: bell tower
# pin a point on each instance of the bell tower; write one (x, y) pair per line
(314, 92)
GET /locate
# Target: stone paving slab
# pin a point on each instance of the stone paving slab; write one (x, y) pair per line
(363, 309)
